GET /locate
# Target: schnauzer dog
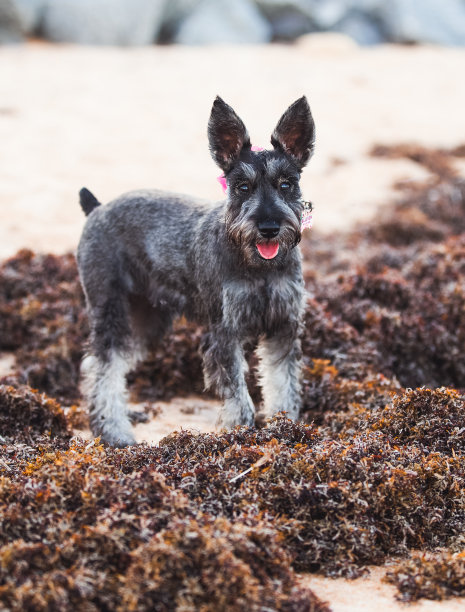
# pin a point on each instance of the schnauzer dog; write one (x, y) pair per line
(233, 267)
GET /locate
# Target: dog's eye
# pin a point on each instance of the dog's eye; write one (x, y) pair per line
(285, 185)
(244, 188)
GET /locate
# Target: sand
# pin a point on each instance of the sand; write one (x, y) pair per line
(119, 119)
(371, 594)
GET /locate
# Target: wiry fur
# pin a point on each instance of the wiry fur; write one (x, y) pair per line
(149, 256)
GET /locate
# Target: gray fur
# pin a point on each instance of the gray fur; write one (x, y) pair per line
(149, 257)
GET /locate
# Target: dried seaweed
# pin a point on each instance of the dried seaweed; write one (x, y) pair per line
(432, 576)
(42, 319)
(397, 311)
(339, 503)
(433, 419)
(437, 161)
(224, 521)
(26, 414)
(104, 529)
(101, 523)
(213, 565)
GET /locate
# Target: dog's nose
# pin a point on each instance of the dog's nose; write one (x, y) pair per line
(268, 229)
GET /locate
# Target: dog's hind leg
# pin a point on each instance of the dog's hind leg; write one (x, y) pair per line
(224, 370)
(279, 372)
(113, 354)
(104, 385)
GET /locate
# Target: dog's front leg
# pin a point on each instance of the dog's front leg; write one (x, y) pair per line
(224, 371)
(280, 375)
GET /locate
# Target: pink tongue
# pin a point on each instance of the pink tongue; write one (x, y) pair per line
(268, 251)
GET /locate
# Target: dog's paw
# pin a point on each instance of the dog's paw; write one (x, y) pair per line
(232, 416)
(112, 432)
(120, 440)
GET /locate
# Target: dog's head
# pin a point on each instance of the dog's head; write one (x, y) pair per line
(264, 203)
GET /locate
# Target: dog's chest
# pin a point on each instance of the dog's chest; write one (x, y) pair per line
(261, 306)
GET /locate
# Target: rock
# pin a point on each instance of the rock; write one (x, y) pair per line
(331, 14)
(362, 28)
(10, 23)
(292, 18)
(325, 15)
(30, 13)
(224, 21)
(425, 21)
(175, 12)
(289, 19)
(103, 22)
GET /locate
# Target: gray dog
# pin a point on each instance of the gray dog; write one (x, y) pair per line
(149, 256)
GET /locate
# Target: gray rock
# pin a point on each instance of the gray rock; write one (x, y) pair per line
(362, 28)
(329, 14)
(174, 13)
(10, 23)
(103, 22)
(326, 15)
(224, 21)
(289, 19)
(290, 25)
(30, 13)
(292, 18)
(177, 10)
(425, 21)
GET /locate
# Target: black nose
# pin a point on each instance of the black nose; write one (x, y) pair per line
(268, 229)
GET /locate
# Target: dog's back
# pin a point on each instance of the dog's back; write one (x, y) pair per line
(140, 242)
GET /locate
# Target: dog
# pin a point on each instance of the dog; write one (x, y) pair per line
(232, 267)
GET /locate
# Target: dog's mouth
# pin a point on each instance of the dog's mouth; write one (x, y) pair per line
(268, 250)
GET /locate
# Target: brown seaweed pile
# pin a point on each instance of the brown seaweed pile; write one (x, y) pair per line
(42, 319)
(432, 576)
(224, 521)
(221, 521)
(386, 299)
(90, 528)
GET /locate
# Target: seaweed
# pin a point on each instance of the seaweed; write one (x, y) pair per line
(429, 575)
(26, 414)
(42, 319)
(437, 161)
(107, 526)
(434, 419)
(396, 310)
(96, 528)
(226, 520)
(340, 504)
(210, 564)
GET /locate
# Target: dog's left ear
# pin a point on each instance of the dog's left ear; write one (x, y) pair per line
(227, 134)
(295, 132)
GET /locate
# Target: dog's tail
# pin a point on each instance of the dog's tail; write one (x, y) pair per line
(88, 201)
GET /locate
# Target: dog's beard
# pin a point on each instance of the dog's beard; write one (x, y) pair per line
(244, 235)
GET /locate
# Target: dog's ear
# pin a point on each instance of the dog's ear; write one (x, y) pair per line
(227, 134)
(295, 132)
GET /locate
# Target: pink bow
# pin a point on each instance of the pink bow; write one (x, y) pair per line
(222, 180)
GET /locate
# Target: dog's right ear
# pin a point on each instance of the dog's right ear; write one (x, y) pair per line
(227, 134)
